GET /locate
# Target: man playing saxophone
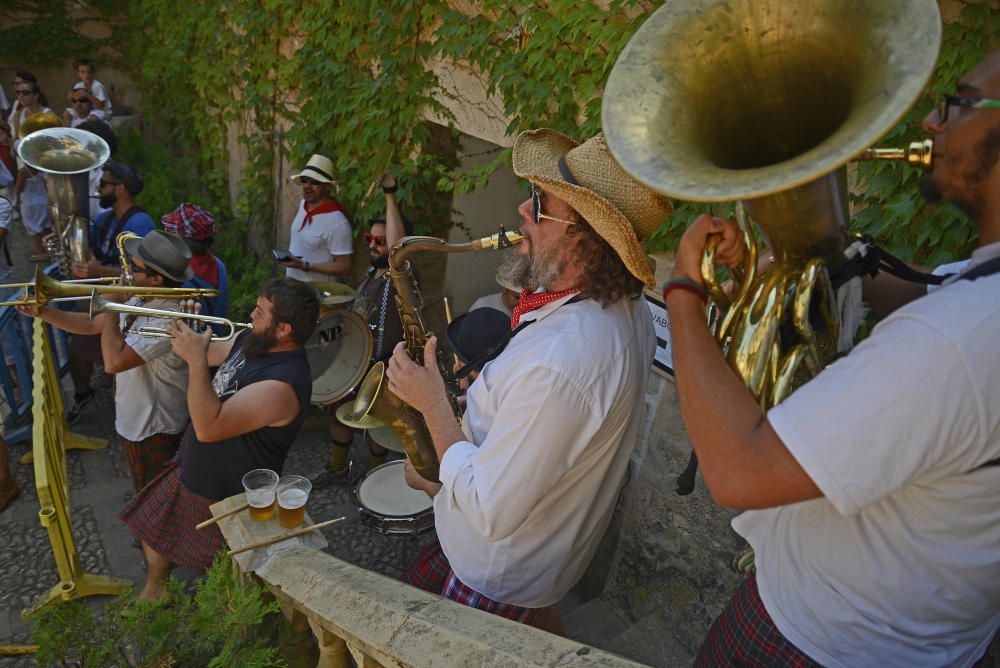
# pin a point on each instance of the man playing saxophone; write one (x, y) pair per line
(871, 492)
(150, 379)
(530, 478)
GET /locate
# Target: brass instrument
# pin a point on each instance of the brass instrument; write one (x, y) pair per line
(45, 289)
(120, 240)
(40, 121)
(918, 154)
(750, 100)
(100, 305)
(374, 396)
(66, 156)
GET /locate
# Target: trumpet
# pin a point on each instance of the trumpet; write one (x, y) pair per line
(100, 305)
(45, 289)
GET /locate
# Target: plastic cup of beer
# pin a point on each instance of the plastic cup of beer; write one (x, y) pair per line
(260, 486)
(293, 492)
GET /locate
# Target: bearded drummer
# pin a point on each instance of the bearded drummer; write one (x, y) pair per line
(529, 480)
(376, 303)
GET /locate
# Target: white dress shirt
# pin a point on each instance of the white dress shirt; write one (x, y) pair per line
(550, 426)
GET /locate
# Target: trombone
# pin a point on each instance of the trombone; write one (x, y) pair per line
(45, 289)
(100, 305)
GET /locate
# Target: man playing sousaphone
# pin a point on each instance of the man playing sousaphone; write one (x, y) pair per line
(529, 480)
(150, 380)
(871, 492)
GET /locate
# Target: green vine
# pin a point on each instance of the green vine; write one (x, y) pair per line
(278, 80)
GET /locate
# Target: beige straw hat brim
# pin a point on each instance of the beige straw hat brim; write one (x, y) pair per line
(619, 208)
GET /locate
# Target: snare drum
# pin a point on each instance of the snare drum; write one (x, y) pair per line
(338, 352)
(390, 506)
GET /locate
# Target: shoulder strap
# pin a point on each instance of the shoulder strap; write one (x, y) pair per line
(987, 268)
(107, 240)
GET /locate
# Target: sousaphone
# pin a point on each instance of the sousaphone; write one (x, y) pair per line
(764, 102)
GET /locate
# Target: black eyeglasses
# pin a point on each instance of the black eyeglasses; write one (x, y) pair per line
(369, 238)
(80, 100)
(948, 101)
(536, 201)
(22, 93)
(103, 183)
(305, 179)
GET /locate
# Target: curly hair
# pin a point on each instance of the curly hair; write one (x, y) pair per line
(606, 279)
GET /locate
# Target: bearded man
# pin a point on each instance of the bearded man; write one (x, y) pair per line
(530, 478)
(245, 418)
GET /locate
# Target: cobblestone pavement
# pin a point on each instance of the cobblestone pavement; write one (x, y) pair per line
(99, 488)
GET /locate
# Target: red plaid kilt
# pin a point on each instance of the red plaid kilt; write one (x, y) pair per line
(431, 572)
(164, 515)
(745, 635)
(149, 457)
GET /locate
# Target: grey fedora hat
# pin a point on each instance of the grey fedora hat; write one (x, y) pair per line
(167, 254)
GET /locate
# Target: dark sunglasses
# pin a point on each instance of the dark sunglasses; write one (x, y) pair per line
(305, 179)
(536, 201)
(948, 101)
(103, 183)
(80, 100)
(22, 93)
(140, 270)
(369, 238)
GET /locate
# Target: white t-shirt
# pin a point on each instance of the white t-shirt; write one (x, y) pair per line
(98, 91)
(328, 234)
(75, 120)
(152, 397)
(899, 563)
(550, 426)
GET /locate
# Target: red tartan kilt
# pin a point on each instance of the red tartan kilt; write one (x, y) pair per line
(164, 515)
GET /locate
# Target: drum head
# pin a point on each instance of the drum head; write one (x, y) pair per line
(386, 437)
(384, 491)
(338, 352)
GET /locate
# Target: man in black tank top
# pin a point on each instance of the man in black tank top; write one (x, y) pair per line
(245, 418)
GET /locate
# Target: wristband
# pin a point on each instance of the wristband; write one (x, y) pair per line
(388, 190)
(685, 285)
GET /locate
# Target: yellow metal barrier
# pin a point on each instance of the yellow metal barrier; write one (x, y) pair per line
(50, 439)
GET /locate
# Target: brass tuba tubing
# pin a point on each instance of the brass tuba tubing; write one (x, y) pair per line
(100, 305)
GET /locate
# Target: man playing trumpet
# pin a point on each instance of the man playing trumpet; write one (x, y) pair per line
(150, 379)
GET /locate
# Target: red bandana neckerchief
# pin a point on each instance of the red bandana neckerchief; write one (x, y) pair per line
(206, 268)
(323, 207)
(531, 301)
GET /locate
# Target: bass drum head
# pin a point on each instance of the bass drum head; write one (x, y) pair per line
(338, 352)
(384, 492)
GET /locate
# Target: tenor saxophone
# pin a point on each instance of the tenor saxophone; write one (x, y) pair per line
(374, 396)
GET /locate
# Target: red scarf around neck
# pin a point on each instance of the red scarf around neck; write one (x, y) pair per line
(323, 207)
(531, 301)
(206, 268)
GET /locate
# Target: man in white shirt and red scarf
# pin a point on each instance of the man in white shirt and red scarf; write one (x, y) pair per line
(530, 478)
(321, 244)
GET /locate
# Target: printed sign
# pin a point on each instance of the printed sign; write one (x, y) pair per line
(663, 361)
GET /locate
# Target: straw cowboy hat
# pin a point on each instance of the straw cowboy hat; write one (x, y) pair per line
(585, 176)
(319, 168)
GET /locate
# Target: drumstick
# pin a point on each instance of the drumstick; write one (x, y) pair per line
(290, 534)
(210, 522)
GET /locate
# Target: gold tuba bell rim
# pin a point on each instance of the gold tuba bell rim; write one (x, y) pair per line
(659, 100)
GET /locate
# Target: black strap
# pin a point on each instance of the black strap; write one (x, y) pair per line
(495, 351)
(988, 268)
(6, 248)
(105, 240)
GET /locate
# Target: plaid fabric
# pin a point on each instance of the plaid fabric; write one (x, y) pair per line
(431, 572)
(149, 457)
(164, 514)
(745, 635)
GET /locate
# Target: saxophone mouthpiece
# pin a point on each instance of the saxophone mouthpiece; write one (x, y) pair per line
(501, 240)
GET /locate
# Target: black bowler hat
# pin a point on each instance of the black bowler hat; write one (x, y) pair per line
(477, 332)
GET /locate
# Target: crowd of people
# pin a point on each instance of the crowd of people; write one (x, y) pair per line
(870, 494)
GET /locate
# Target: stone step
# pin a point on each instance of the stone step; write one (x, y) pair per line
(597, 622)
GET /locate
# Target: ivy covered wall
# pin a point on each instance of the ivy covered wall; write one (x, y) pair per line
(275, 80)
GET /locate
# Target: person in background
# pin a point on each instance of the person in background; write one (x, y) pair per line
(104, 131)
(29, 188)
(197, 227)
(81, 109)
(321, 243)
(90, 86)
(503, 301)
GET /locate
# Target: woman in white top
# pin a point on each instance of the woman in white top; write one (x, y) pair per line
(33, 200)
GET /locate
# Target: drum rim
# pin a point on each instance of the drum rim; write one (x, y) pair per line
(369, 347)
(375, 513)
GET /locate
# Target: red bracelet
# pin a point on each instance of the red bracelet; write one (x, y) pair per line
(685, 285)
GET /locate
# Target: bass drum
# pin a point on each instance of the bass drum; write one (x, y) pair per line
(339, 352)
